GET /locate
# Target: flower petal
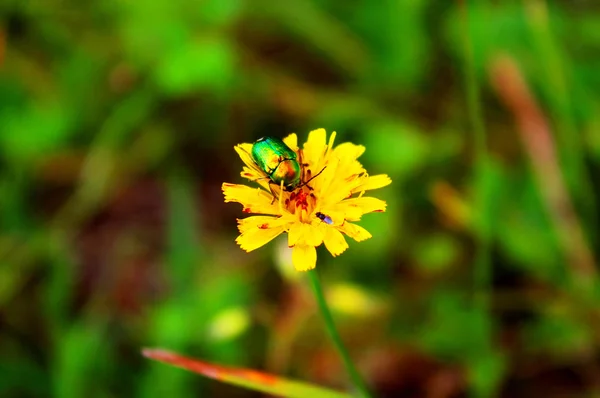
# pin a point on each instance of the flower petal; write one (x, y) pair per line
(317, 138)
(252, 174)
(322, 184)
(257, 237)
(292, 141)
(334, 241)
(351, 213)
(330, 143)
(256, 176)
(314, 148)
(244, 150)
(362, 205)
(304, 257)
(295, 233)
(354, 231)
(314, 236)
(254, 200)
(304, 234)
(348, 150)
(251, 171)
(260, 222)
(349, 167)
(373, 182)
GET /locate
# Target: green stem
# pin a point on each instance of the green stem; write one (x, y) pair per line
(357, 379)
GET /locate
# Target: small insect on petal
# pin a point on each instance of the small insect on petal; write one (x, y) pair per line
(324, 217)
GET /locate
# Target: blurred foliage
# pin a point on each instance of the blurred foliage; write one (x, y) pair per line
(117, 122)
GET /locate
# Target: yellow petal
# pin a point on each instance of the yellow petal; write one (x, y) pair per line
(353, 168)
(322, 184)
(351, 213)
(373, 182)
(254, 200)
(340, 178)
(354, 231)
(257, 237)
(349, 151)
(317, 138)
(314, 236)
(252, 174)
(304, 257)
(256, 176)
(295, 233)
(260, 222)
(330, 144)
(314, 148)
(292, 141)
(251, 171)
(304, 234)
(335, 241)
(244, 150)
(364, 204)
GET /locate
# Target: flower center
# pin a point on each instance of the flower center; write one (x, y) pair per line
(301, 202)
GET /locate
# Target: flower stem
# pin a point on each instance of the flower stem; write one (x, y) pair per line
(357, 379)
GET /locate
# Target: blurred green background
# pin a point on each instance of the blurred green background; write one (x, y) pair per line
(117, 126)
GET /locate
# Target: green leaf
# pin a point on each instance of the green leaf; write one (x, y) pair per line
(247, 378)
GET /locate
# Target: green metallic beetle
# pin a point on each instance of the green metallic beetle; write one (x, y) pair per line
(279, 163)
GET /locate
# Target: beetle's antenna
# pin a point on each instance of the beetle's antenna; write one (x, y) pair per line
(313, 177)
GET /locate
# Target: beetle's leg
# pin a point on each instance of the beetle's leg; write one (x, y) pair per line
(271, 192)
(280, 196)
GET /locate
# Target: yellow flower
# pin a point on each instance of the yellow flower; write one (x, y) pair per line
(322, 211)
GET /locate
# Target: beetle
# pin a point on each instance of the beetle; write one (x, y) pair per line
(324, 217)
(279, 162)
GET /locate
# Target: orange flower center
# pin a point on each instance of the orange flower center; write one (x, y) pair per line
(301, 202)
